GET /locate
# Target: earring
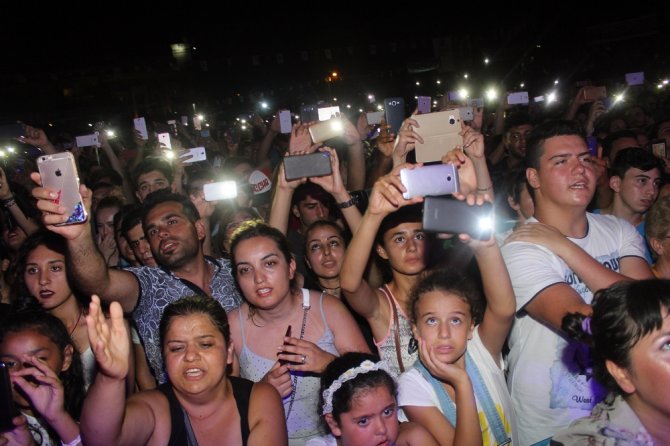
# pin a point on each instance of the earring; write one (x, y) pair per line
(413, 345)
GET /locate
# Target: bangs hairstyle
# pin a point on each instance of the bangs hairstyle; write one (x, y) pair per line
(451, 282)
(406, 214)
(364, 382)
(195, 305)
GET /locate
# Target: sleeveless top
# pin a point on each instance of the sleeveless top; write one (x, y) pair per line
(386, 347)
(303, 421)
(179, 435)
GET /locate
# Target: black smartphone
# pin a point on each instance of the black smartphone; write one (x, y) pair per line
(309, 113)
(7, 407)
(395, 113)
(315, 164)
(288, 334)
(453, 216)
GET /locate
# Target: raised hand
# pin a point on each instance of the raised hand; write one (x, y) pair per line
(5, 191)
(331, 183)
(473, 142)
(406, 140)
(300, 140)
(43, 387)
(386, 139)
(282, 182)
(109, 340)
(386, 195)
(467, 176)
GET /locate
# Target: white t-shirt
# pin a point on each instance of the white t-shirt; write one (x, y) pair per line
(550, 377)
(414, 390)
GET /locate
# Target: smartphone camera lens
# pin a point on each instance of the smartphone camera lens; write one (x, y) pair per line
(448, 178)
(452, 120)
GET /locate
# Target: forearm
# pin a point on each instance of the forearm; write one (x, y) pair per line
(66, 428)
(358, 252)
(356, 166)
(468, 429)
(87, 264)
(497, 285)
(381, 166)
(351, 214)
(105, 396)
(264, 147)
(590, 271)
(28, 226)
(280, 209)
(484, 181)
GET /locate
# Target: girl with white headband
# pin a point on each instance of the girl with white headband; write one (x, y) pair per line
(358, 403)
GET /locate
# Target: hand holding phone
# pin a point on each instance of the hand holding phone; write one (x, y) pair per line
(59, 173)
(7, 408)
(435, 180)
(315, 164)
(453, 216)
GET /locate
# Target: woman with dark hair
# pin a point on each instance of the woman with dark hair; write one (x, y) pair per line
(285, 335)
(200, 403)
(47, 378)
(629, 332)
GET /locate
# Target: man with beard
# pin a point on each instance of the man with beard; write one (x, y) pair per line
(175, 232)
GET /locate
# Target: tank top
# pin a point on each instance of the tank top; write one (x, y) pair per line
(303, 422)
(386, 347)
(179, 436)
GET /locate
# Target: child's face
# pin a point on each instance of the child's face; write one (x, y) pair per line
(444, 322)
(405, 248)
(17, 347)
(372, 419)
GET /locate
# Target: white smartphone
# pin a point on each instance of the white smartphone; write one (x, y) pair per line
(423, 104)
(196, 154)
(374, 118)
(285, 121)
(173, 125)
(326, 130)
(88, 140)
(467, 113)
(59, 173)
(326, 113)
(220, 191)
(635, 78)
(164, 140)
(197, 123)
(141, 126)
(432, 180)
(520, 97)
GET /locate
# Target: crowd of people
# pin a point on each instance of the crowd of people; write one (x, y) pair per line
(317, 311)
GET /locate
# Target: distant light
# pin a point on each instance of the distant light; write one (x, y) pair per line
(201, 117)
(486, 61)
(463, 93)
(348, 105)
(264, 105)
(334, 99)
(334, 74)
(551, 97)
(556, 82)
(243, 127)
(618, 97)
(379, 107)
(465, 75)
(660, 86)
(110, 133)
(360, 110)
(207, 124)
(416, 97)
(491, 94)
(194, 48)
(169, 154)
(438, 82)
(522, 84)
(10, 149)
(538, 46)
(418, 83)
(665, 81)
(51, 125)
(2, 154)
(90, 125)
(370, 97)
(434, 102)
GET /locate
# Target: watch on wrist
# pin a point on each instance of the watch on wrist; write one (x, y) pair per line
(346, 204)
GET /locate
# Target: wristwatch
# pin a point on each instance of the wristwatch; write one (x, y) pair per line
(348, 203)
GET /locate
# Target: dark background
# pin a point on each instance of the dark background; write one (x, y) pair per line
(67, 75)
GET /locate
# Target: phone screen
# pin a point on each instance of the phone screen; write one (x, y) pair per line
(7, 408)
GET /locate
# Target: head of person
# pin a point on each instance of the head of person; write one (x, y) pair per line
(324, 248)
(102, 190)
(195, 342)
(41, 272)
(11, 232)
(629, 338)
(172, 225)
(636, 178)
(310, 203)
(401, 241)
(617, 141)
(558, 165)
(358, 400)
(661, 129)
(150, 175)
(657, 228)
(517, 195)
(104, 215)
(133, 233)
(263, 264)
(444, 308)
(121, 242)
(231, 220)
(239, 167)
(39, 335)
(518, 126)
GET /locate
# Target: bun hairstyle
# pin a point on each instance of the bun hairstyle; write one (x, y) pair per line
(623, 314)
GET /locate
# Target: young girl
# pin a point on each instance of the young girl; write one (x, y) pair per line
(47, 379)
(460, 362)
(291, 360)
(629, 332)
(41, 273)
(358, 403)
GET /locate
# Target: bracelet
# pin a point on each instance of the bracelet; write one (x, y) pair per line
(348, 203)
(8, 202)
(484, 189)
(74, 442)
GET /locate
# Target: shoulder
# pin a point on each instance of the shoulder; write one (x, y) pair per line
(411, 433)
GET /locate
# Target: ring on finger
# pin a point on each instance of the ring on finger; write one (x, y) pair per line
(304, 359)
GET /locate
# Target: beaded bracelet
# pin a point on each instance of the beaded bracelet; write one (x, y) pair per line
(8, 202)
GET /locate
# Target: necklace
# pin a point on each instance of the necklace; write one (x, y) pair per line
(76, 324)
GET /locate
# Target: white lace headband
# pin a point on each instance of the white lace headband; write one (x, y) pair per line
(365, 367)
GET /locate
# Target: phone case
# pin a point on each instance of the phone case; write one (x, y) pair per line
(198, 154)
(164, 140)
(219, 191)
(309, 113)
(325, 130)
(453, 216)
(141, 126)
(395, 113)
(7, 407)
(374, 118)
(423, 104)
(315, 164)
(59, 173)
(594, 93)
(467, 113)
(520, 97)
(436, 179)
(658, 147)
(88, 140)
(327, 113)
(440, 134)
(475, 102)
(285, 121)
